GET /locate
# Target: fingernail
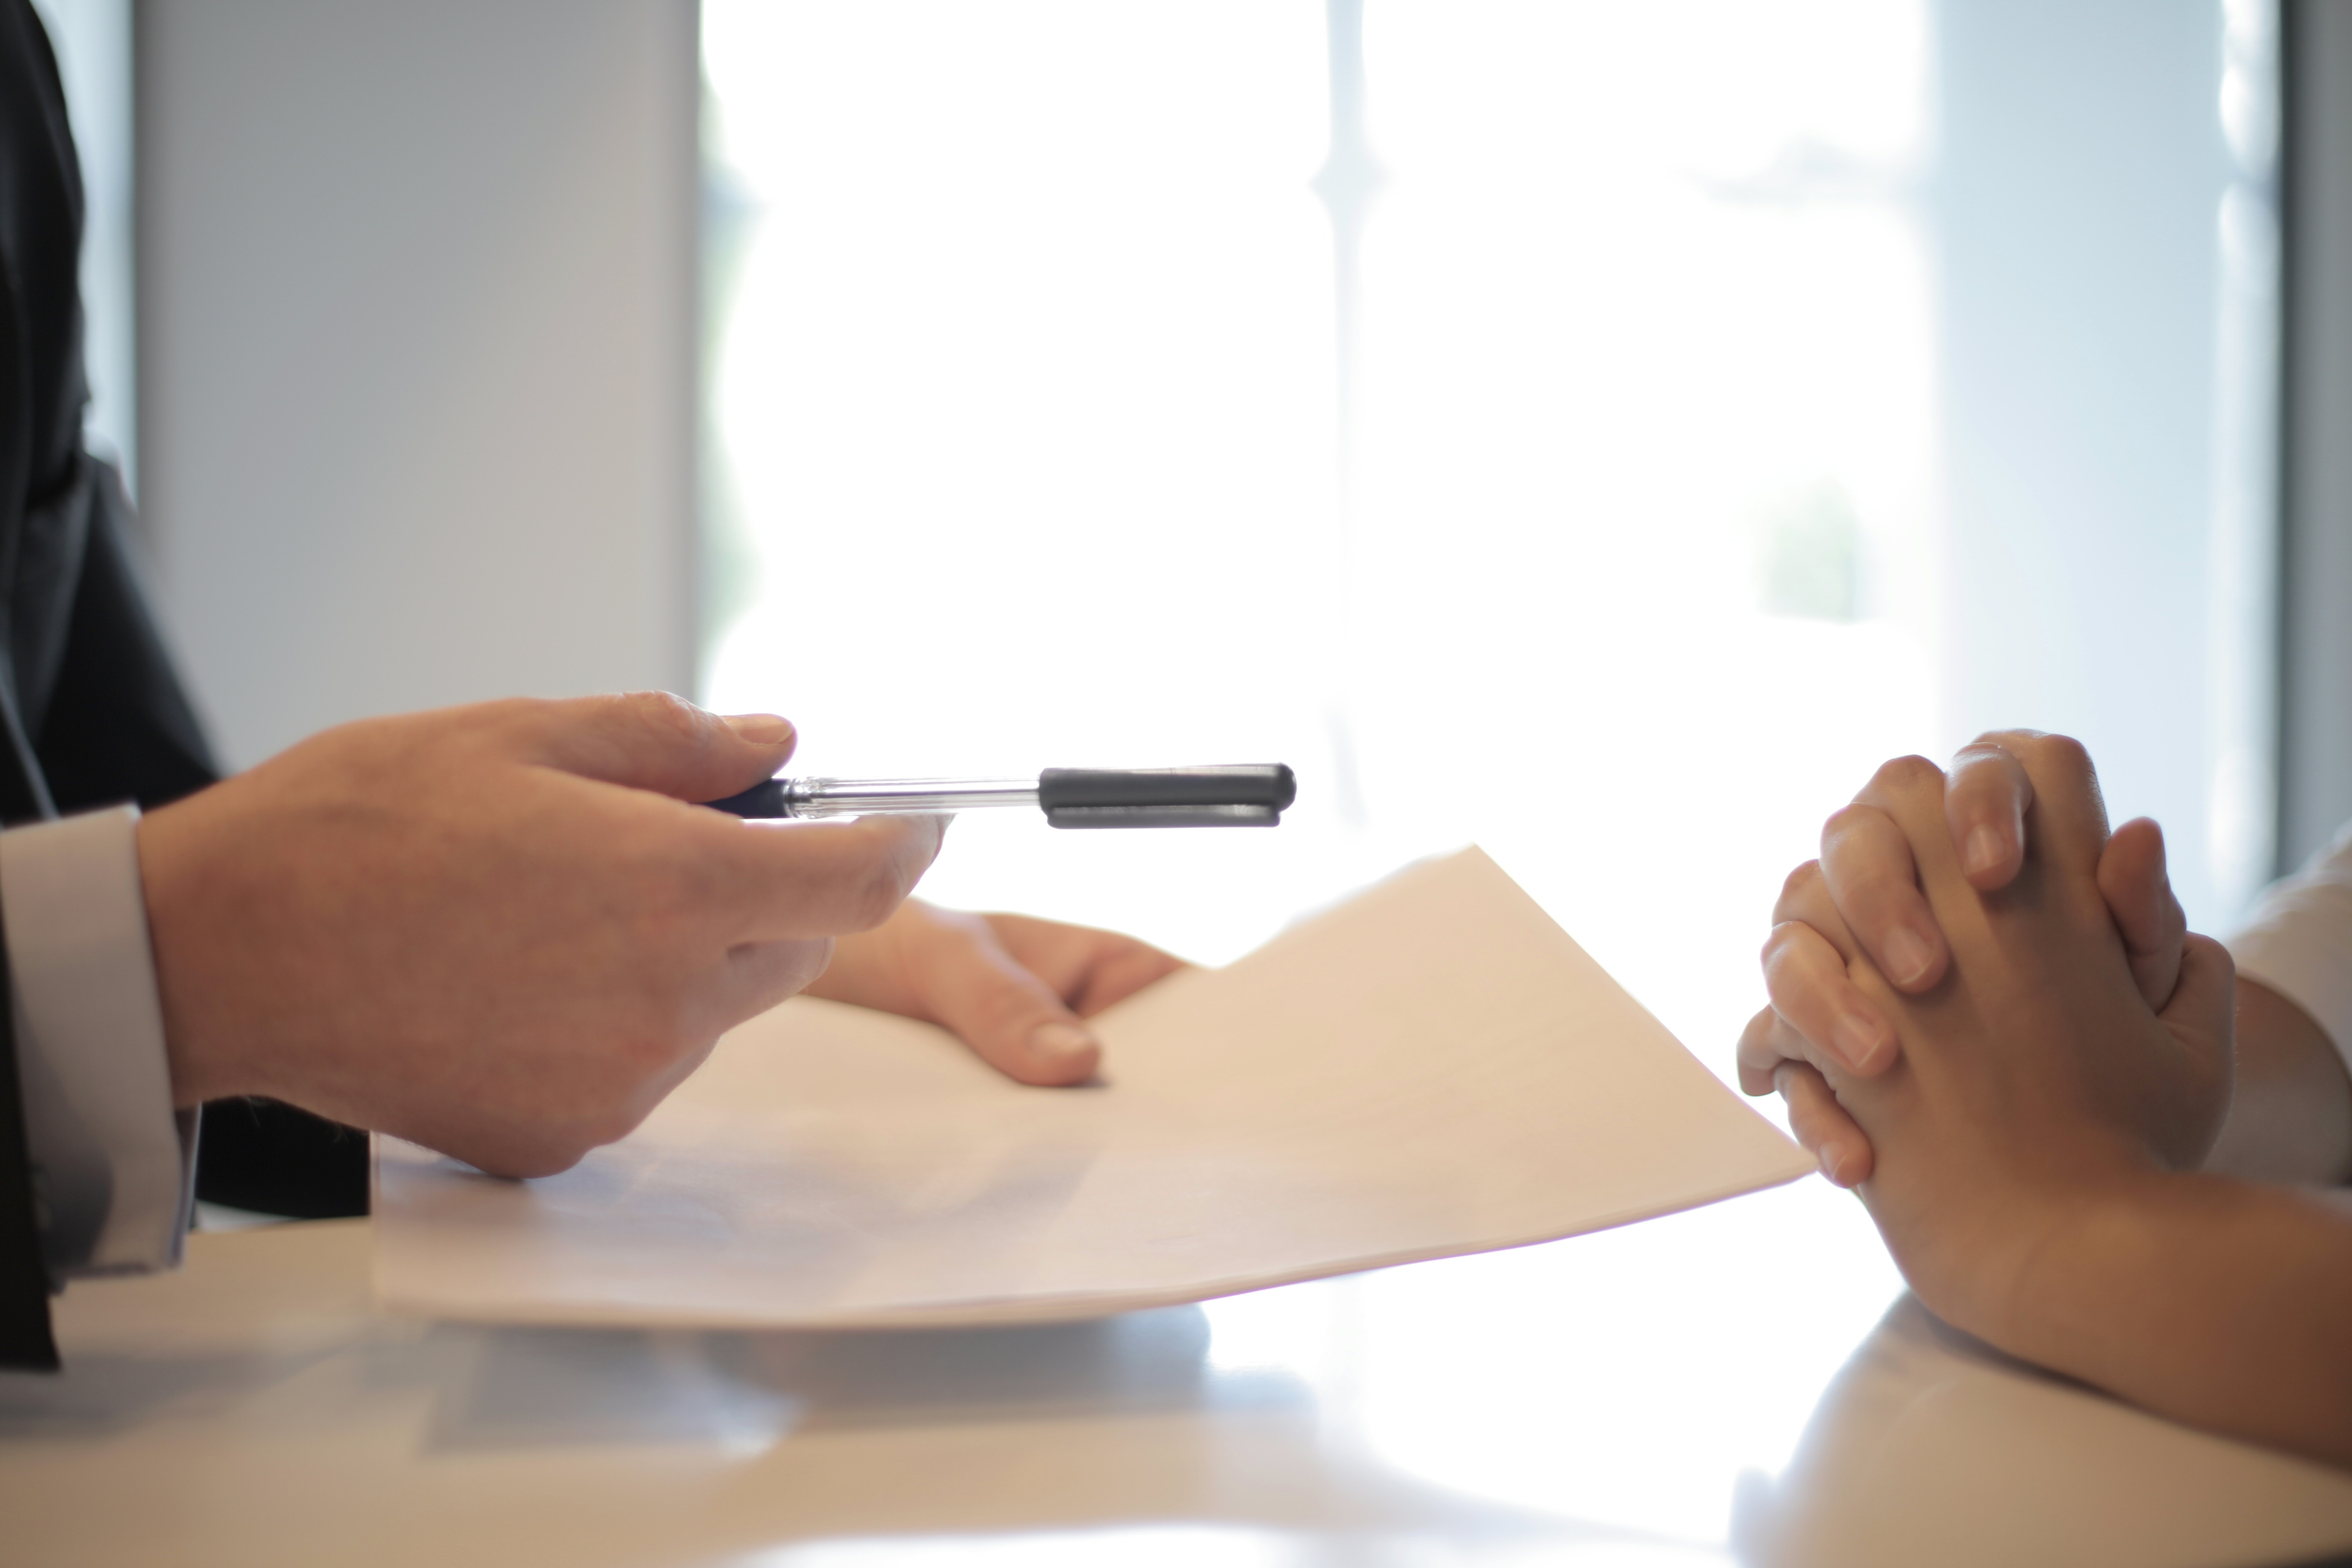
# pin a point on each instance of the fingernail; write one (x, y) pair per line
(1056, 1043)
(1828, 1159)
(761, 728)
(1857, 1039)
(1986, 850)
(1907, 955)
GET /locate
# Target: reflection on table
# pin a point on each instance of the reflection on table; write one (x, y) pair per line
(1726, 1386)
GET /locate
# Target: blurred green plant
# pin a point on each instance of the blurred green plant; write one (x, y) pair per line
(1809, 555)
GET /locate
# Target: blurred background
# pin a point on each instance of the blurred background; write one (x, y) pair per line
(1599, 432)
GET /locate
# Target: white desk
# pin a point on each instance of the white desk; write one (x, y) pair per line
(1669, 1395)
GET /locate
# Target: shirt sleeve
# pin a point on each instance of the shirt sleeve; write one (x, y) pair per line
(113, 1163)
(2298, 941)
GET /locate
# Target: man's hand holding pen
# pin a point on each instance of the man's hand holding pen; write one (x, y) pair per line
(502, 931)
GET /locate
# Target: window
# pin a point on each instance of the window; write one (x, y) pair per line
(1661, 415)
(1652, 417)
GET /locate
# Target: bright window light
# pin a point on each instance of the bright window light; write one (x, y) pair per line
(1026, 408)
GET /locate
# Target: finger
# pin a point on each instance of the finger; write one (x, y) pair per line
(1766, 1046)
(1810, 989)
(1986, 794)
(2068, 824)
(2206, 998)
(1089, 969)
(2199, 1017)
(1760, 1056)
(1867, 868)
(1770, 1042)
(781, 880)
(1805, 897)
(1909, 792)
(965, 981)
(1820, 1123)
(652, 740)
(2138, 891)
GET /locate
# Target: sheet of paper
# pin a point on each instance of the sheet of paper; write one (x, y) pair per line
(1433, 1068)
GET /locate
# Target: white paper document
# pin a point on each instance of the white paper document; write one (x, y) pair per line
(1433, 1068)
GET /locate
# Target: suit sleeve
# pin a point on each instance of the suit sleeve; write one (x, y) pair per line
(2298, 941)
(25, 1338)
(116, 725)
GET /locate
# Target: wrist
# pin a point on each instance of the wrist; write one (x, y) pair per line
(1992, 1253)
(2060, 1296)
(202, 1061)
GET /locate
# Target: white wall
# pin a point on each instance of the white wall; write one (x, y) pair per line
(417, 350)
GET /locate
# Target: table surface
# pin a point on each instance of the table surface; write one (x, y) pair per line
(1744, 1384)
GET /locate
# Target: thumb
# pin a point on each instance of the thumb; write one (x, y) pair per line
(2204, 1002)
(1011, 1019)
(2138, 893)
(2200, 1018)
(654, 741)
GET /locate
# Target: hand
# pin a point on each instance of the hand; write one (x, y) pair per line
(1013, 988)
(2034, 1076)
(1867, 873)
(498, 931)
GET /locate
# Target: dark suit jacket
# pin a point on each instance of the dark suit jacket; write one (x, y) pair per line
(90, 712)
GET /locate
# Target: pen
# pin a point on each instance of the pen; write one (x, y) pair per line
(1243, 796)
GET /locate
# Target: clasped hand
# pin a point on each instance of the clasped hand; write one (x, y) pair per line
(1986, 1011)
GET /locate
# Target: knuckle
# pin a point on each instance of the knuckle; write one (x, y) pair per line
(1904, 774)
(2064, 752)
(1805, 897)
(1847, 821)
(667, 714)
(1783, 957)
(1983, 766)
(1763, 1043)
(1842, 820)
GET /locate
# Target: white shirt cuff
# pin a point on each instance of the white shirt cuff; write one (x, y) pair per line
(113, 1164)
(2298, 942)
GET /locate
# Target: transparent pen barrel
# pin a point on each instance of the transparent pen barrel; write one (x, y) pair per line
(898, 797)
